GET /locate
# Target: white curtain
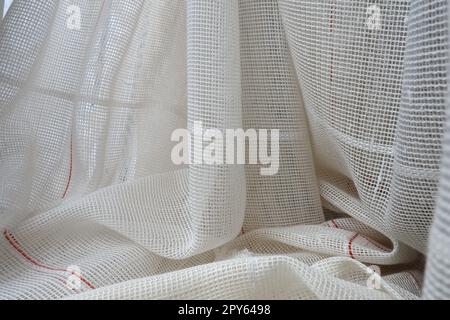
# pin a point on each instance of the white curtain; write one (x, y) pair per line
(91, 91)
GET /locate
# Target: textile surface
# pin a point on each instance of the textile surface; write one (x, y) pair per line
(357, 88)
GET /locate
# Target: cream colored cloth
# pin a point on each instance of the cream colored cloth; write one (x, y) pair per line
(90, 92)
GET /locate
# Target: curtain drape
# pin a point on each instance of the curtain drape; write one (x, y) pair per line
(91, 91)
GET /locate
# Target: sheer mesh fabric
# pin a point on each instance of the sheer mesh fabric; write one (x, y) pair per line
(86, 117)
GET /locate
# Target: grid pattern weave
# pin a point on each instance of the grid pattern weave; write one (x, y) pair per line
(357, 88)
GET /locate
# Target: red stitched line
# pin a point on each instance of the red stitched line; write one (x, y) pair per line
(376, 244)
(70, 170)
(335, 224)
(18, 248)
(350, 253)
(332, 12)
(415, 279)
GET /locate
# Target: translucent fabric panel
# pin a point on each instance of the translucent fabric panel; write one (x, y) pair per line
(91, 92)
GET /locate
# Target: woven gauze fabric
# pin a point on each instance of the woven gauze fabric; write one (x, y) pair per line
(93, 207)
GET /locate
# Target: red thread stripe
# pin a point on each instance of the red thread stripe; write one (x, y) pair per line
(19, 249)
(335, 224)
(350, 253)
(376, 244)
(70, 170)
(64, 283)
(331, 16)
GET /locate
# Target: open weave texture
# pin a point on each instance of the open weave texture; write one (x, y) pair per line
(87, 181)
